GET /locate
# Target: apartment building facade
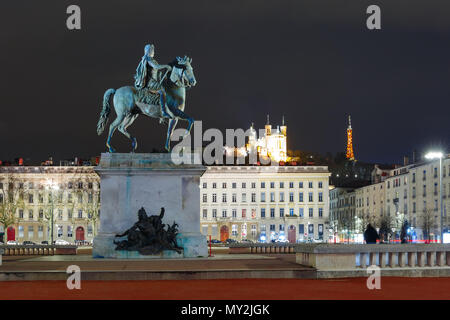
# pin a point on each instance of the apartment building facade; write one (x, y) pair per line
(265, 203)
(31, 196)
(410, 192)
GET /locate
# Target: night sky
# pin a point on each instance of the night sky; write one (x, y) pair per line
(313, 61)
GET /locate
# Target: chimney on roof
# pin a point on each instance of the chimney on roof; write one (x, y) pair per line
(405, 160)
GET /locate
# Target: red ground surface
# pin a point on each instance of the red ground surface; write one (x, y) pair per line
(251, 289)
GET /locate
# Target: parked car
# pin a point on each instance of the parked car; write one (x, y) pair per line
(44, 242)
(61, 242)
(314, 241)
(28, 243)
(82, 243)
(282, 241)
(230, 241)
(12, 242)
(215, 241)
(246, 241)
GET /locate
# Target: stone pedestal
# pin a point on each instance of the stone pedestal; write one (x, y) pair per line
(130, 181)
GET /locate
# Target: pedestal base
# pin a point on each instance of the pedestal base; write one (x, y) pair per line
(131, 181)
(193, 244)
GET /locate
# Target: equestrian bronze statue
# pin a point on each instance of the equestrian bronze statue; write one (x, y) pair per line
(159, 92)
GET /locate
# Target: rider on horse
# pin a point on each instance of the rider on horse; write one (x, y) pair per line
(151, 79)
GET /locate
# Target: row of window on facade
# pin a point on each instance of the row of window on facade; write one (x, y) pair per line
(58, 213)
(414, 208)
(30, 198)
(40, 186)
(281, 197)
(263, 185)
(435, 173)
(281, 213)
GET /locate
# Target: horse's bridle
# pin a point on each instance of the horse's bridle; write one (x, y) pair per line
(183, 68)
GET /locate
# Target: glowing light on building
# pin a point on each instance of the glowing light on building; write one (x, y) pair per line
(350, 155)
(272, 144)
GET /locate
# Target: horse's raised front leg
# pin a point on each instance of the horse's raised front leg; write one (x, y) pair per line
(183, 116)
(113, 126)
(129, 119)
(170, 128)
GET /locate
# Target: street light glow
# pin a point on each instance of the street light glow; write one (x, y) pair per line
(434, 155)
(49, 184)
(439, 155)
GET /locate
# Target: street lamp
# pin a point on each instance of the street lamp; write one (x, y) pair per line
(51, 186)
(431, 156)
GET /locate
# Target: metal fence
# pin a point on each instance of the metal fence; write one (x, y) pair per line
(35, 250)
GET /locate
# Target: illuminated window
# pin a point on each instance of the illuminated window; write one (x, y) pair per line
(30, 232)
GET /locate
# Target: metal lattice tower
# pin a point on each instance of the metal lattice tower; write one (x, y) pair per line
(349, 154)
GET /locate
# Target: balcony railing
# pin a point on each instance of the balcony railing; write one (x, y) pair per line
(42, 250)
(354, 256)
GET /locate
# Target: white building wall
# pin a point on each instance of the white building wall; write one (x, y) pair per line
(250, 182)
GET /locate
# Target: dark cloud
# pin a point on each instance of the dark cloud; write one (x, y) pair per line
(313, 61)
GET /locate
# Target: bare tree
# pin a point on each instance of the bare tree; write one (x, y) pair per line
(385, 225)
(11, 198)
(363, 221)
(88, 198)
(345, 223)
(427, 223)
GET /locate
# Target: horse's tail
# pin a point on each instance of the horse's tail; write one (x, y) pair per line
(105, 111)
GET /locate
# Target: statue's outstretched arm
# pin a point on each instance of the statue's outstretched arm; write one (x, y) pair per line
(123, 234)
(134, 227)
(157, 66)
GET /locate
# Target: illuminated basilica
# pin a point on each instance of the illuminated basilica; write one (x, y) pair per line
(272, 144)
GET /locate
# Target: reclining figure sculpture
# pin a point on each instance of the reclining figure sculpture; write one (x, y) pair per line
(149, 236)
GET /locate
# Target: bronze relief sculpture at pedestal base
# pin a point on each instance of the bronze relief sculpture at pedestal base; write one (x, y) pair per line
(149, 235)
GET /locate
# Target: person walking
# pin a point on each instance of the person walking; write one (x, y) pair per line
(371, 235)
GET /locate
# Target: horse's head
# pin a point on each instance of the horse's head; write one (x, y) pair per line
(182, 73)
